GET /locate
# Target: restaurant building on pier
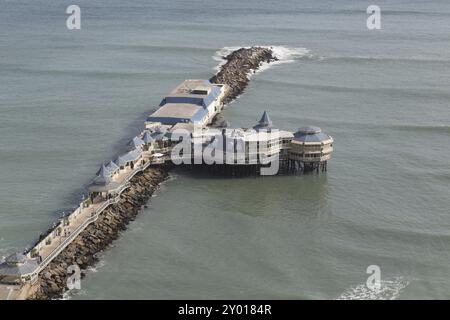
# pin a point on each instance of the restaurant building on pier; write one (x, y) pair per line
(184, 114)
(193, 101)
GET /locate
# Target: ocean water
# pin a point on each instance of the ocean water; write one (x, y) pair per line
(71, 99)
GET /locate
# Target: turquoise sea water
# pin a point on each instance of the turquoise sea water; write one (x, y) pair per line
(71, 99)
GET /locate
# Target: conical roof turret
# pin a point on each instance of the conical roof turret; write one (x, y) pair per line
(264, 123)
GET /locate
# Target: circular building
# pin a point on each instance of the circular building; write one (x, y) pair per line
(311, 148)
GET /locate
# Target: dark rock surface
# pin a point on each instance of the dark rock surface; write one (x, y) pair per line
(240, 64)
(83, 251)
(52, 281)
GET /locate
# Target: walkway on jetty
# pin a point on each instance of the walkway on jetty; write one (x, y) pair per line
(21, 271)
(86, 216)
(78, 221)
(194, 102)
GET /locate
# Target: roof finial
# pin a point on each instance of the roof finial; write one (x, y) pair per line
(264, 122)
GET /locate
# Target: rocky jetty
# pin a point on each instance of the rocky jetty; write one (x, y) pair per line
(239, 65)
(83, 251)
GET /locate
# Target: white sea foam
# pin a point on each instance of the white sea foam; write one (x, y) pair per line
(68, 295)
(98, 265)
(65, 296)
(284, 55)
(390, 290)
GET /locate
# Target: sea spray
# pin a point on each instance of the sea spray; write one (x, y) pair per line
(283, 54)
(390, 289)
(238, 64)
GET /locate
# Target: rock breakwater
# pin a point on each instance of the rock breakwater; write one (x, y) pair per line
(239, 65)
(83, 251)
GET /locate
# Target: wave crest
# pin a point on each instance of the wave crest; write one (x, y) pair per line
(390, 290)
(284, 55)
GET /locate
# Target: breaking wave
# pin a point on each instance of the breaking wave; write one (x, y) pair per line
(94, 269)
(390, 290)
(284, 55)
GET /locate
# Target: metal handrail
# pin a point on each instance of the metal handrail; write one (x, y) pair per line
(90, 219)
(76, 232)
(69, 239)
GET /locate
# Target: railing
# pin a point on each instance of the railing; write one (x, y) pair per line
(97, 212)
(122, 188)
(94, 216)
(161, 149)
(77, 231)
(159, 160)
(65, 243)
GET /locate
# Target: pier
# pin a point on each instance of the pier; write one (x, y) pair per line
(122, 186)
(20, 269)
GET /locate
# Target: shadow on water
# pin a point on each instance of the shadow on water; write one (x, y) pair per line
(276, 196)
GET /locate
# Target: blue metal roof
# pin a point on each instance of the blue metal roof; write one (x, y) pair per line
(199, 115)
(103, 176)
(112, 166)
(190, 100)
(136, 142)
(168, 120)
(214, 92)
(121, 160)
(103, 181)
(103, 171)
(309, 130)
(196, 118)
(310, 134)
(133, 155)
(25, 266)
(147, 138)
(202, 101)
